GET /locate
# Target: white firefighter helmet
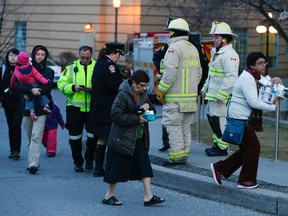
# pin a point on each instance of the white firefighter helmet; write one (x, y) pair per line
(221, 28)
(178, 24)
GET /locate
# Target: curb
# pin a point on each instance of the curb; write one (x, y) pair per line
(264, 200)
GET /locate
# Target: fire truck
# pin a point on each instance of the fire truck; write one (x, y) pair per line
(141, 47)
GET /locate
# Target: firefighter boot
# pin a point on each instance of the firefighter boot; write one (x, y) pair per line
(216, 151)
(99, 160)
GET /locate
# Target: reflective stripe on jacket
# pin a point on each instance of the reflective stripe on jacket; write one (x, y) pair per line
(182, 71)
(223, 72)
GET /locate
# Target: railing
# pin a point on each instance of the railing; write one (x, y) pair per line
(200, 115)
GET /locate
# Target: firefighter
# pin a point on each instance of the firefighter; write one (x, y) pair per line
(177, 90)
(223, 72)
(75, 82)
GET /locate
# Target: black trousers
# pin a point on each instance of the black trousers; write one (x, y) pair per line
(75, 122)
(14, 120)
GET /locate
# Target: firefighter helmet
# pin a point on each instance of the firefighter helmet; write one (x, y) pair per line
(221, 28)
(178, 24)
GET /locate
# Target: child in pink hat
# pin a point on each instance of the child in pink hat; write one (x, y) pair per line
(25, 73)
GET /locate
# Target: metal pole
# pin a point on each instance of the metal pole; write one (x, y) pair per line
(276, 140)
(267, 50)
(198, 119)
(116, 23)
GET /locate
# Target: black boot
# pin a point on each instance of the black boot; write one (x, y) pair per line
(216, 151)
(99, 160)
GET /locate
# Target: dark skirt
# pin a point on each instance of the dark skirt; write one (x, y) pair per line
(121, 168)
(102, 130)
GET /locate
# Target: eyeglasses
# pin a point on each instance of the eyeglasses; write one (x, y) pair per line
(262, 63)
(85, 57)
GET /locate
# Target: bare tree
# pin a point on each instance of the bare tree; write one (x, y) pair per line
(7, 34)
(202, 12)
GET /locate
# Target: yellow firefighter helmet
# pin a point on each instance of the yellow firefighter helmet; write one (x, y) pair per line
(178, 24)
(221, 28)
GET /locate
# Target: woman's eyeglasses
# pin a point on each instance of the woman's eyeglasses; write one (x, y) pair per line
(262, 63)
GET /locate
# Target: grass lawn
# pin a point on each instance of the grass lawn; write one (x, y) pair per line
(266, 139)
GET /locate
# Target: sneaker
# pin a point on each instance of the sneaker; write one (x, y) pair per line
(33, 169)
(247, 185)
(216, 174)
(51, 154)
(16, 155)
(33, 115)
(47, 109)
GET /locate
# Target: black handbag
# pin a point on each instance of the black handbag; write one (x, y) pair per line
(234, 129)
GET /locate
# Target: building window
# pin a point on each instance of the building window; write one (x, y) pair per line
(272, 51)
(240, 45)
(20, 35)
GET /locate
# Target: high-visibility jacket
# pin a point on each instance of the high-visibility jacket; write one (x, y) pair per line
(76, 74)
(182, 72)
(223, 72)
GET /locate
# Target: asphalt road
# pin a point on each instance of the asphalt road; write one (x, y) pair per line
(57, 190)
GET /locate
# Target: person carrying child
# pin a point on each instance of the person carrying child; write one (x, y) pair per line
(25, 73)
(49, 139)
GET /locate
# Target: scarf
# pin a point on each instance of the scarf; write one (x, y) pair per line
(256, 116)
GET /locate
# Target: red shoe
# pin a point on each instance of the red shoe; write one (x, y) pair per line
(216, 174)
(33, 115)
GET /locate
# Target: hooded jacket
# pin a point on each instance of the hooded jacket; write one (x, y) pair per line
(47, 73)
(122, 137)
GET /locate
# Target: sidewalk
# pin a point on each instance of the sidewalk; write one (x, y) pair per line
(196, 178)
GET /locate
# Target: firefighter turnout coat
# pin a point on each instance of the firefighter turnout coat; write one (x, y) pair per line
(223, 72)
(182, 73)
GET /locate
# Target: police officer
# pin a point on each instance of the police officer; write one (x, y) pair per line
(223, 72)
(106, 80)
(178, 90)
(75, 83)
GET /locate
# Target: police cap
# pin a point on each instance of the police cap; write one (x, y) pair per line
(119, 47)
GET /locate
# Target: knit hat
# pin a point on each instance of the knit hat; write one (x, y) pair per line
(23, 58)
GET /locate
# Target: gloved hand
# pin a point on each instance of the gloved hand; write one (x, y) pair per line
(63, 127)
(160, 96)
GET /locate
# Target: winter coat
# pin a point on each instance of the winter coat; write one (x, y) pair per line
(223, 72)
(54, 119)
(27, 75)
(106, 80)
(122, 137)
(9, 97)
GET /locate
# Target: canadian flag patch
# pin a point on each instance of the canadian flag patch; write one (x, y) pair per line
(170, 51)
(233, 59)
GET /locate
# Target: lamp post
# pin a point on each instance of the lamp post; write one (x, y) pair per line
(264, 27)
(116, 5)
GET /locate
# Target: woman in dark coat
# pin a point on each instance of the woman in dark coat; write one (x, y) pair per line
(128, 143)
(11, 102)
(106, 80)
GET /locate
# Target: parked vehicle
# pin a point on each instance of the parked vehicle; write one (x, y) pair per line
(57, 69)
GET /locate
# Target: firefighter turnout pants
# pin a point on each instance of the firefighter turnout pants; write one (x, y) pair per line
(216, 114)
(178, 126)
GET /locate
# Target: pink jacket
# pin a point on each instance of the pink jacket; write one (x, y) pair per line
(27, 74)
